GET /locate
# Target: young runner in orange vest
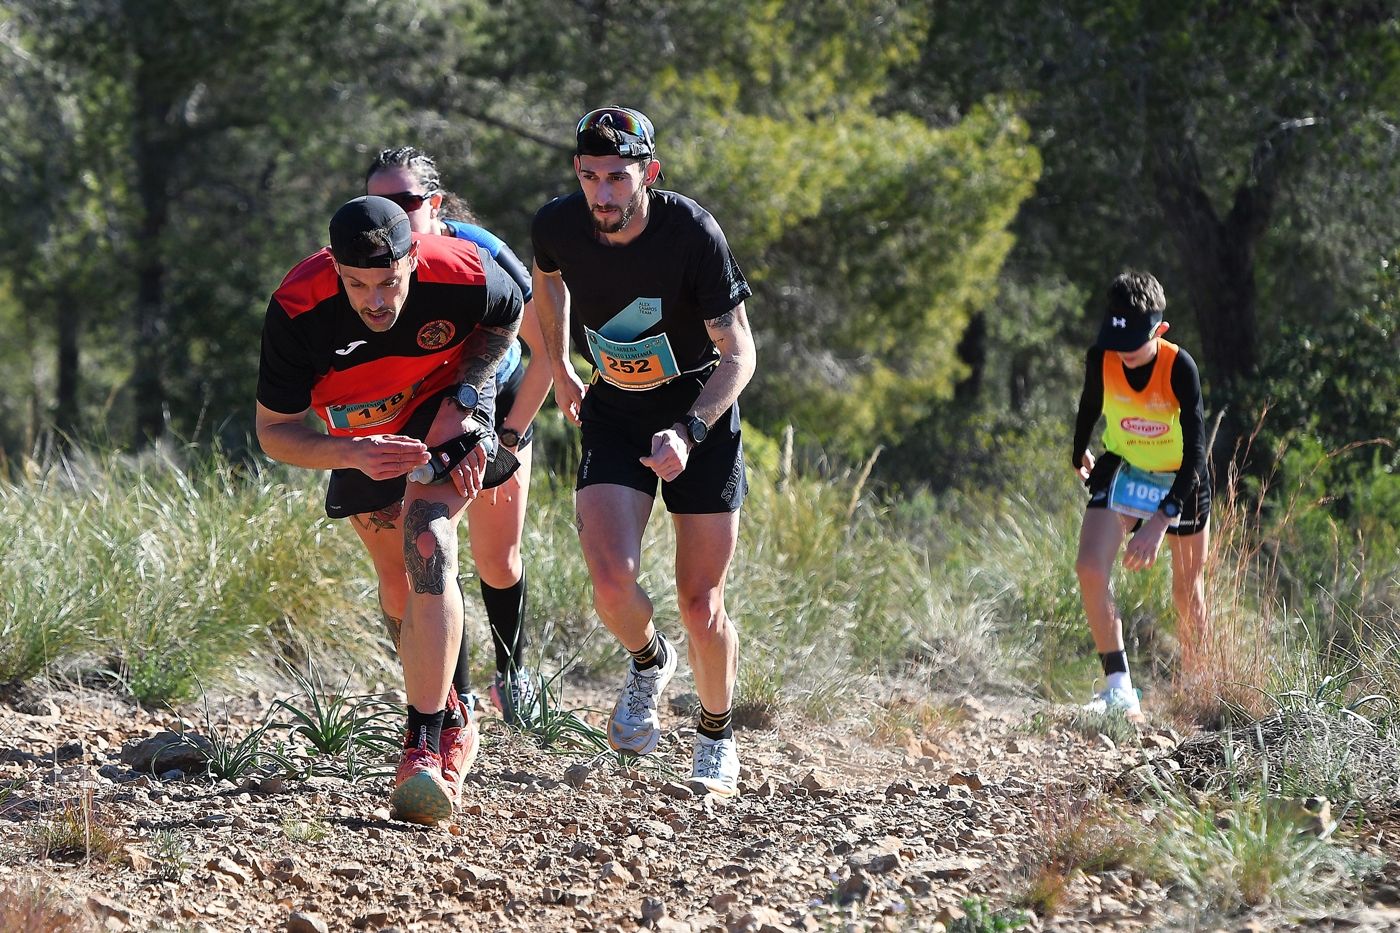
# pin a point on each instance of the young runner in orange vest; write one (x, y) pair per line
(1151, 482)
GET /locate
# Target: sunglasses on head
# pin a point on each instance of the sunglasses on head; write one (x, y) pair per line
(623, 121)
(408, 200)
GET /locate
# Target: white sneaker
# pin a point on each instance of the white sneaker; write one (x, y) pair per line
(515, 696)
(1117, 699)
(634, 726)
(716, 768)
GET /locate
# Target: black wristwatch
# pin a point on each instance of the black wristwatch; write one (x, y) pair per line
(696, 429)
(1171, 509)
(509, 437)
(467, 397)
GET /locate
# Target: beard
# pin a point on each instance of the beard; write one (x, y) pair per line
(624, 217)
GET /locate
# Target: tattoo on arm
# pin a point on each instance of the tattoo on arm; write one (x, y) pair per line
(724, 320)
(428, 572)
(484, 349)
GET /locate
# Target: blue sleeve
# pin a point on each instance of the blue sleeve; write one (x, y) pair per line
(499, 251)
(478, 235)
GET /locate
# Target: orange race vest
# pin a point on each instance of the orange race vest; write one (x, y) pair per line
(1144, 428)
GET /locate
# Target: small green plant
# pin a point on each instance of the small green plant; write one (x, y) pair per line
(171, 852)
(78, 831)
(342, 729)
(231, 759)
(558, 729)
(298, 829)
(758, 697)
(1249, 852)
(979, 917)
(1111, 723)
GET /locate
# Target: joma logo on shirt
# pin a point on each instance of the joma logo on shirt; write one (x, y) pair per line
(1143, 427)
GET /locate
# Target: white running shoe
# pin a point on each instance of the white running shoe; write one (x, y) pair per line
(716, 768)
(1117, 699)
(515, 696)
(634, 726)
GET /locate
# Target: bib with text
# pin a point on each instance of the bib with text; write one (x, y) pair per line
(1139, 493)
(629, 363)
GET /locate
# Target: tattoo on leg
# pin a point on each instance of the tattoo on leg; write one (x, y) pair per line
(428, 571)
(578, 521)
(393, 626)
(382, 520)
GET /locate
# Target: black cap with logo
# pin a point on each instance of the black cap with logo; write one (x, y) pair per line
(1124, 329)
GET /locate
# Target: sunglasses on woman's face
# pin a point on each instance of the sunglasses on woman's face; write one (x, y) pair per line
(408, 200)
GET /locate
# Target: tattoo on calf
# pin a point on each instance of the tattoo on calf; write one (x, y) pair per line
(578, 521)
(427, 571)
(393, 626)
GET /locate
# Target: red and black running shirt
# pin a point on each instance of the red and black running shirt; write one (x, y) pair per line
(317, 353)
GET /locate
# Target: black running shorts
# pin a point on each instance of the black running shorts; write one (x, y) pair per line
(1195, 511)
(351, 492)
(617, 429)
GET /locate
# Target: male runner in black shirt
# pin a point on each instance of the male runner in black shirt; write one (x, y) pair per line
(644, 282)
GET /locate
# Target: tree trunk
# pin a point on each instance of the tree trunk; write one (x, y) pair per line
(68, 319)
(154, 160)
(972, 350)
(1218, 255)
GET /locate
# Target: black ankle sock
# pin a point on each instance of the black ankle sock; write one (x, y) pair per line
(652, 655)
(505, 610)
(1114, 662)
(716, 725)
(424, 728)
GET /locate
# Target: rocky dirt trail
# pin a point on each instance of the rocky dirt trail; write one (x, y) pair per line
(833, 831)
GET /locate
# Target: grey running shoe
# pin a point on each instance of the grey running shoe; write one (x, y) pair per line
(515, 696)
(634, 726)
(716, 766)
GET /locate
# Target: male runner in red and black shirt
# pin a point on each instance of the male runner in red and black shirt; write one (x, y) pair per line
(393, 341)
(645, 282)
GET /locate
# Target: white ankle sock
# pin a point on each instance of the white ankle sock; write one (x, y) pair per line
(1120, 681)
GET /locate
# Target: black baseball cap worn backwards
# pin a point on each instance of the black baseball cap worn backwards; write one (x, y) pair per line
(1125, 330)
(370, 233)
(636, 137)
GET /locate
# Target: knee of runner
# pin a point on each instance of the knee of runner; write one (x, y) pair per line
(498, 564)
(615, 576)
(702, 613)
(1090, 573)
(429, 546)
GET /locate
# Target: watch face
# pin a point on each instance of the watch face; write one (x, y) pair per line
(1171, 510)
(467, 396)
(697, 429)
(508, 436)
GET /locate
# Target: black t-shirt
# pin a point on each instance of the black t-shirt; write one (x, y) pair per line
(318, 353)
(1186, 386)
(676, 275)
